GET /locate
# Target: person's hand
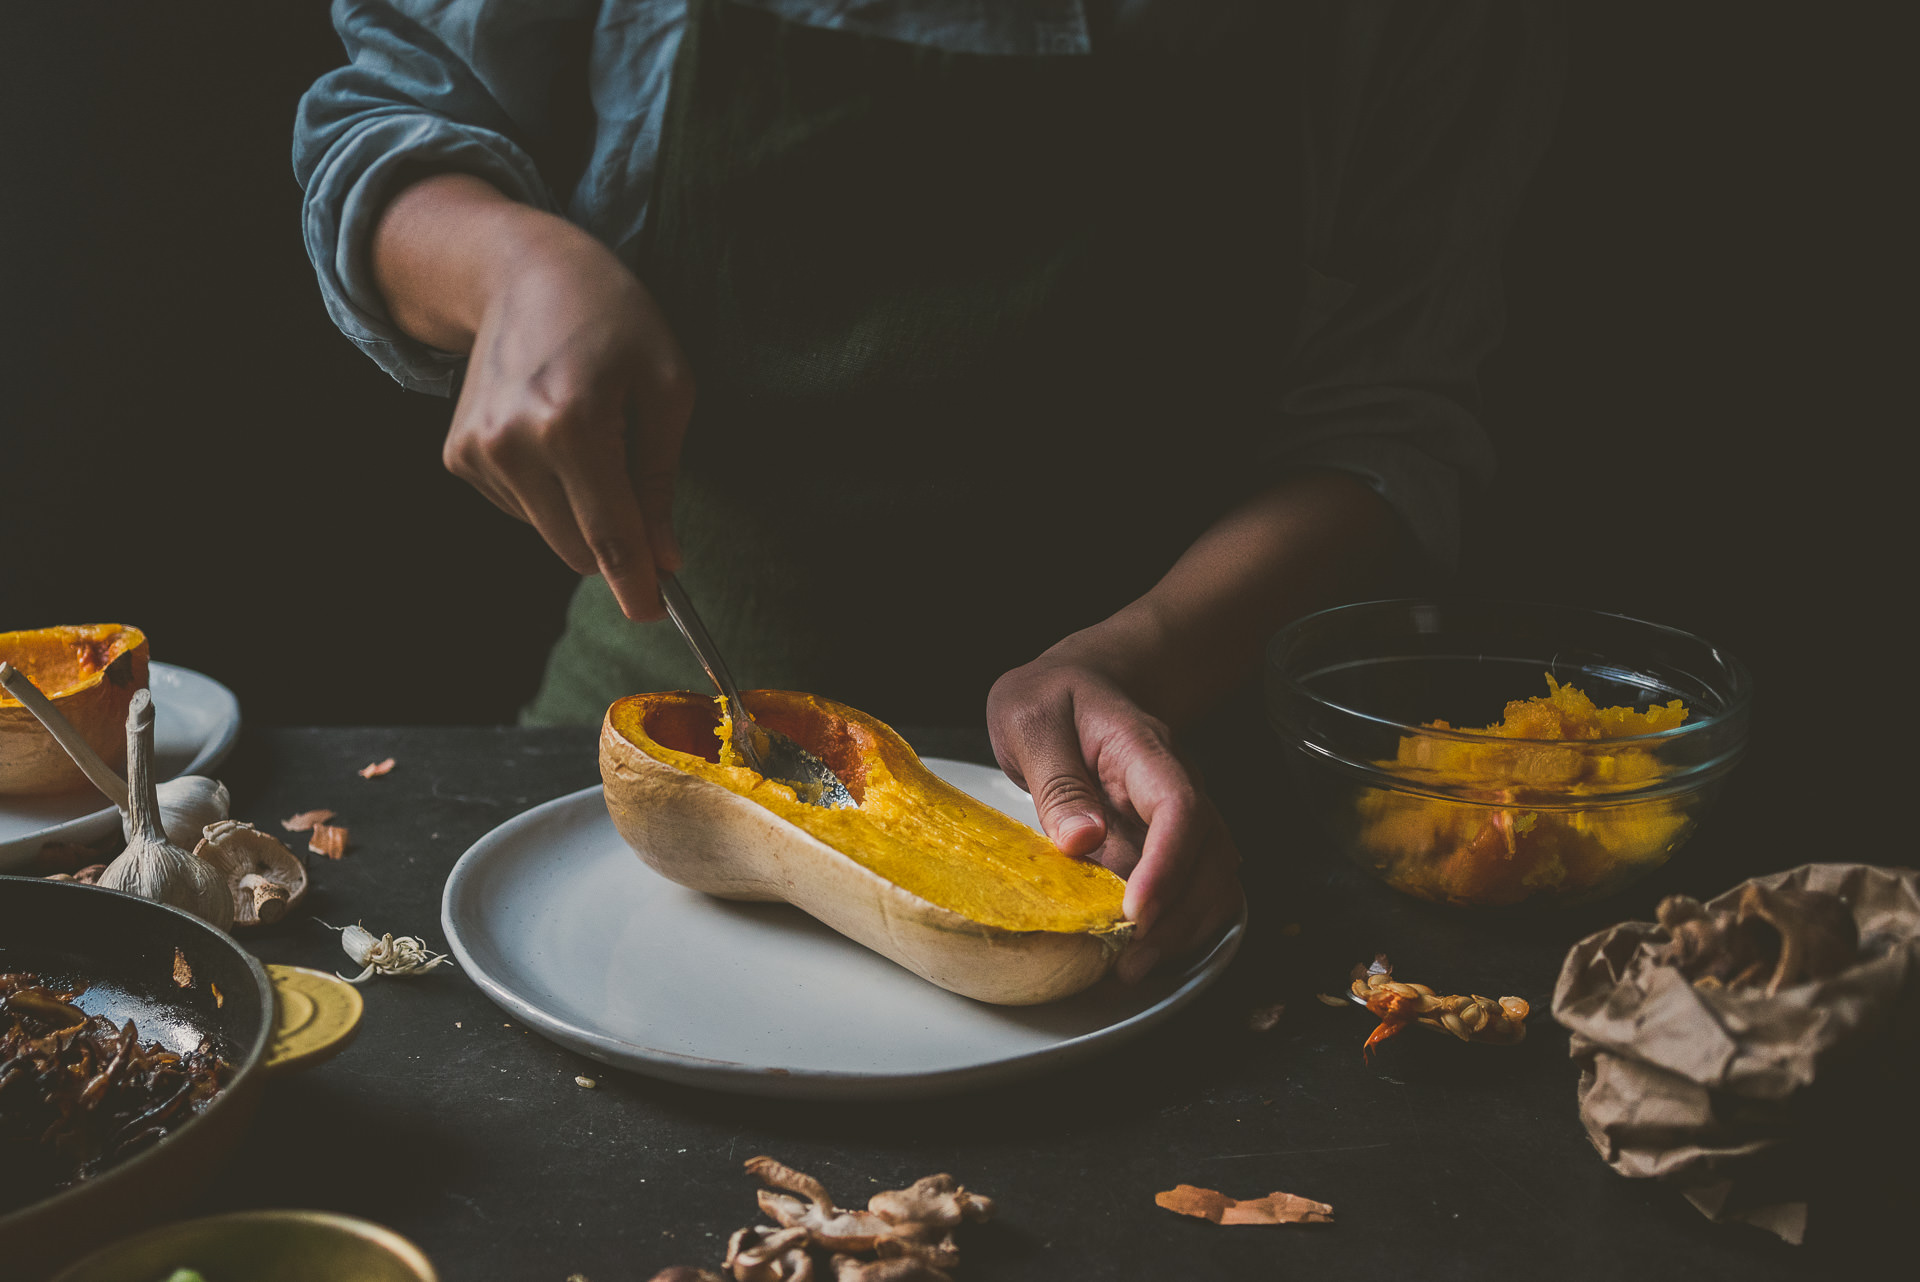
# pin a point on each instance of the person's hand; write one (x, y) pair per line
(569, 347)
(565, 350)
(1108, 785)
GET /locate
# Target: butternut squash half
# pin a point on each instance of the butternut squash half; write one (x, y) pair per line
(920, 872)
(89, 673)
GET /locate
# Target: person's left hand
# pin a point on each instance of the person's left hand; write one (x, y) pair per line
(1108, 785)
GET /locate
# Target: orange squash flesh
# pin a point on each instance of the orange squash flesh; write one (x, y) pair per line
(1454, 852)
(911, 828)
(88, 672)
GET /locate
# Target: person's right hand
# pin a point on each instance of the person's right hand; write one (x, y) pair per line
(566, 349)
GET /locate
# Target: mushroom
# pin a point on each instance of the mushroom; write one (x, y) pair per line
(766, 1254)
(936, 1201)
(1710, 948)
(1818, 936)
(909, 1231)
(850, 1268)
(264, 877)
(1778, 937)
(814, 1210)
(923, 1217)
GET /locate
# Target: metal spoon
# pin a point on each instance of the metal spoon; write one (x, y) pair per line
(768, 751)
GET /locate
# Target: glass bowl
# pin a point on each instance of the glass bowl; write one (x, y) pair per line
(1462, 816)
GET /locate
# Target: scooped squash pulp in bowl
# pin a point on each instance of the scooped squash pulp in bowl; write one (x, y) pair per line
(918, 871)
(89, 672)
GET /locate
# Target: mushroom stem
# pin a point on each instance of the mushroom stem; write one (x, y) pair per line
(91, 763)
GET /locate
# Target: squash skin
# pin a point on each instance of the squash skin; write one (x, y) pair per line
(94, 699)
(709, 838)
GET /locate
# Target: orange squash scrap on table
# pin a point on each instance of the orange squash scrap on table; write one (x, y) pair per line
(1481, 853)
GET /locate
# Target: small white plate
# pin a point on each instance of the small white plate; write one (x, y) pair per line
(195, 722)
(563, 926)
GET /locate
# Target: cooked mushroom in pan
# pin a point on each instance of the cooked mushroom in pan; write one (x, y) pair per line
(78, 1094)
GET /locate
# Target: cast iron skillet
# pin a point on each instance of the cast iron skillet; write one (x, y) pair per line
(122, 946)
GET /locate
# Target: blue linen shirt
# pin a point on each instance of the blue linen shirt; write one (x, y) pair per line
(1422, 127)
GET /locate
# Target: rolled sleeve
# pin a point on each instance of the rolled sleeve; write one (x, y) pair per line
(457, 89)
(1425, 132)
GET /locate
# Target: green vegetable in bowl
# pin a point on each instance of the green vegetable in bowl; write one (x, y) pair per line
(185, 1275)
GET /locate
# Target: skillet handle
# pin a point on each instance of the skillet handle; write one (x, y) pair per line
(315, 1016)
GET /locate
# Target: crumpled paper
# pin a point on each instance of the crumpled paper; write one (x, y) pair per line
(1747, 1103)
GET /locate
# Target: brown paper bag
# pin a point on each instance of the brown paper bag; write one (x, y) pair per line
(1749, 1104)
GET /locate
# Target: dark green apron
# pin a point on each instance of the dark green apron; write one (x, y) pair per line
(981, 342)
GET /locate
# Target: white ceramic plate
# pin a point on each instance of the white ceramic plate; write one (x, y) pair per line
(196, 720)
(563, 926)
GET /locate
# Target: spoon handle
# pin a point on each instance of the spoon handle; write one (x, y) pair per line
(104, 777)
(680, 610)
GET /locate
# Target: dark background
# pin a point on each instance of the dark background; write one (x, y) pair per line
(1694, 405)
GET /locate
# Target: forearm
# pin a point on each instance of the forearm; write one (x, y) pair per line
(1313, 540)
(441, 247)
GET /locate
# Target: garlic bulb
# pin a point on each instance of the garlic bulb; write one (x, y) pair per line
(188, 806)
(151, 866)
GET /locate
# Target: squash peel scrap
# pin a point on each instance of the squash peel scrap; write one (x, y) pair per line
(305, 820)
(1274, 1208)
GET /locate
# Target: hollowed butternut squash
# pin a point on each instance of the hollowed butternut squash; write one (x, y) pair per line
(89, 673)
(920, 872)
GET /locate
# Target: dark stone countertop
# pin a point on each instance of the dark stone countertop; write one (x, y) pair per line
(462, 1130)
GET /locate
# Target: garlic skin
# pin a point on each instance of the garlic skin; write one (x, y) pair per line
(151, 866)
(188, 806)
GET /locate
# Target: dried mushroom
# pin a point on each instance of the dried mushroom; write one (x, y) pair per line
(915, 1223)
(923, 1217)
(763, 1254)
(904, 1235)
(265, 878)
(813, 1210)
(1777, 937)
(851, 1268)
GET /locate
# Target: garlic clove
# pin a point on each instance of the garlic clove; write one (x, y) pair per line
(406, 955)
(151, 866)
(262, 876)
(188, 805)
